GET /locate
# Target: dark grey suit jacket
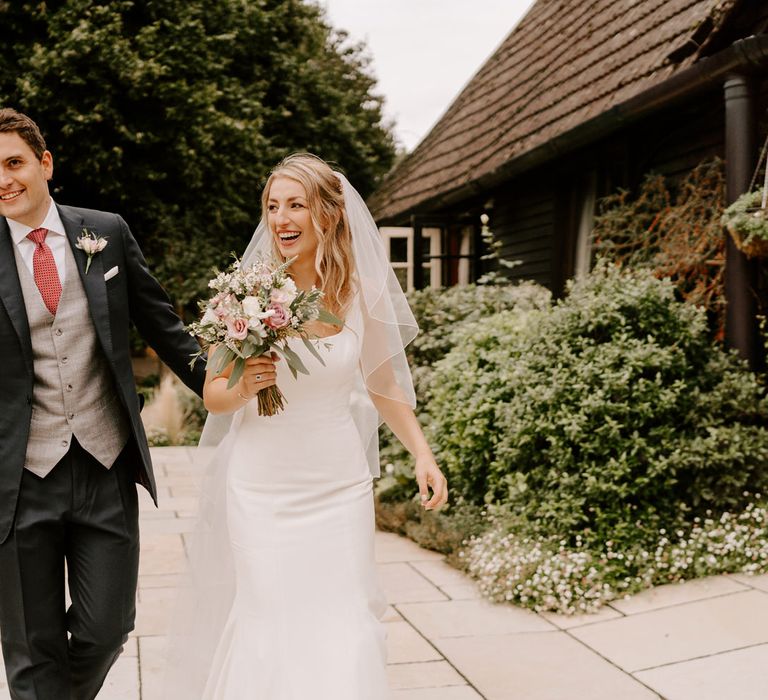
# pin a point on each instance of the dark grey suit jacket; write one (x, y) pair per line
(131, 295)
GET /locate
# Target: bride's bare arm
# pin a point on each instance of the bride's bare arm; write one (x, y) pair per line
(401, 420)
(218, 399)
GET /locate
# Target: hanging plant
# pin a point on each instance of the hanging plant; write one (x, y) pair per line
(747, 218)
(747, 222)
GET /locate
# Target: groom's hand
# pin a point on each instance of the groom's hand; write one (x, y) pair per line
(259, 373)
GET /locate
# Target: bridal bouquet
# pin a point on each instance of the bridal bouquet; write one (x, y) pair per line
(255, 310)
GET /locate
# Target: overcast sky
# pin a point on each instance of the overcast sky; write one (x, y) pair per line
(425, 51)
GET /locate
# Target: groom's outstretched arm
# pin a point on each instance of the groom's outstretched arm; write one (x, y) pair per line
(152, 312)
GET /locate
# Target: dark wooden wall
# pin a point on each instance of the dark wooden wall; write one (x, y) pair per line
(536, 215)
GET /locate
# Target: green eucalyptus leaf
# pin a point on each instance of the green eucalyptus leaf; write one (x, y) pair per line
(294, 361)
(311, 347)
(237, 372)
(326, 316)
(222, 356)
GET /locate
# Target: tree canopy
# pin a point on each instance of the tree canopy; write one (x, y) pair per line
(172, 112)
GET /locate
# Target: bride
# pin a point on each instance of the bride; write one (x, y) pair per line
(283, 601)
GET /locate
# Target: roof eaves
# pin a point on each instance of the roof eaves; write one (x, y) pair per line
(751, 52)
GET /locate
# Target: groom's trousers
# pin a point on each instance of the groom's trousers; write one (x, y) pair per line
(85, 516)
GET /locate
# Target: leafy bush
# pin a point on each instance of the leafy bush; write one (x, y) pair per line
(440, 312)
(606, 418)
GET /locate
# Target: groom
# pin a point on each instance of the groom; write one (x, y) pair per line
(72, 444)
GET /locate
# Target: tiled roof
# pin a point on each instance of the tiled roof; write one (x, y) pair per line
(566, 62)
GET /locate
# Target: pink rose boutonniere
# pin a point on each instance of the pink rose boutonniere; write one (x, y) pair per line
(90, 244)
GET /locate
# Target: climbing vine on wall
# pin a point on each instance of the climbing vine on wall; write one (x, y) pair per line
(675, 231)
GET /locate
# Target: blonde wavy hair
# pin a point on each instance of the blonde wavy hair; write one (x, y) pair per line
(334, 261)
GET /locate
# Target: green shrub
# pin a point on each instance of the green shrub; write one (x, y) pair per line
(605, 418)
(157, 437)
(441, 312)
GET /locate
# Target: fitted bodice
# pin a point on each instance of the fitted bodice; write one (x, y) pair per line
(315, 437)
(327, 388)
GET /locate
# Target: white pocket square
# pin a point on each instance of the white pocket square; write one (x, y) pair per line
(109, 274)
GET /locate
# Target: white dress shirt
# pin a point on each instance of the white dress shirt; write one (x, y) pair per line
(56, 240)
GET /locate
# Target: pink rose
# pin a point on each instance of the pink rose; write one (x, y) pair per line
(221, 305)
(237, 328)
(279, 319)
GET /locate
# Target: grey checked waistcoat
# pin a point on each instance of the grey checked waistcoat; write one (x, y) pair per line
(74, 392)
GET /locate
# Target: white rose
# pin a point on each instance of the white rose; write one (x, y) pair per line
(285, 293)
(252, 308)
(258, 328)
(209, 317)
(290, 286)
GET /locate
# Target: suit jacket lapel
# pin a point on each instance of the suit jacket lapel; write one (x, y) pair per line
(10, 293)
(93, 282)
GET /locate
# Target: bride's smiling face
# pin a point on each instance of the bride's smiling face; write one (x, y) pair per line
(289, 219)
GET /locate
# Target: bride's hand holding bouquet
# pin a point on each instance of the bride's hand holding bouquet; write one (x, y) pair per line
(254, 312)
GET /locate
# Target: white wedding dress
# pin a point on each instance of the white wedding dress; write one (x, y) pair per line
(305, 621)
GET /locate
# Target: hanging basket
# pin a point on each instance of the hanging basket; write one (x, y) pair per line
(747, 218)
(747, 222)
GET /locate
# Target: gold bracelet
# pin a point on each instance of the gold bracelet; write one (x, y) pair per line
(243, 397)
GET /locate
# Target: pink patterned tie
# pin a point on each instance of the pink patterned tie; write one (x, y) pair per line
(44, 267)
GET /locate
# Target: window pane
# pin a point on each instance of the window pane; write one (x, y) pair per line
(398, 249)
(426, 243)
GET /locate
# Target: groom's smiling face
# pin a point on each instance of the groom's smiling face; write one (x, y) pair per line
(23, 180)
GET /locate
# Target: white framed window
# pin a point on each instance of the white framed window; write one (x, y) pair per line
(432, 248)
(398, 242)
(465, 251)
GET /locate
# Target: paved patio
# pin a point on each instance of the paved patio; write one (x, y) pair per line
(701, 640)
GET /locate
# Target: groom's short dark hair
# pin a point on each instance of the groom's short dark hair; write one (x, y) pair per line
(13, 121)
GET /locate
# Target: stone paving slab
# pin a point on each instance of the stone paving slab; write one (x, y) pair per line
(470, 618)
(682, 632)
(702, 640)
(447, 579)
(741, 675)
(760, 582)
(429, 674)
(458, 693)
(403, 584)
(676, 593)
(538, 666)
